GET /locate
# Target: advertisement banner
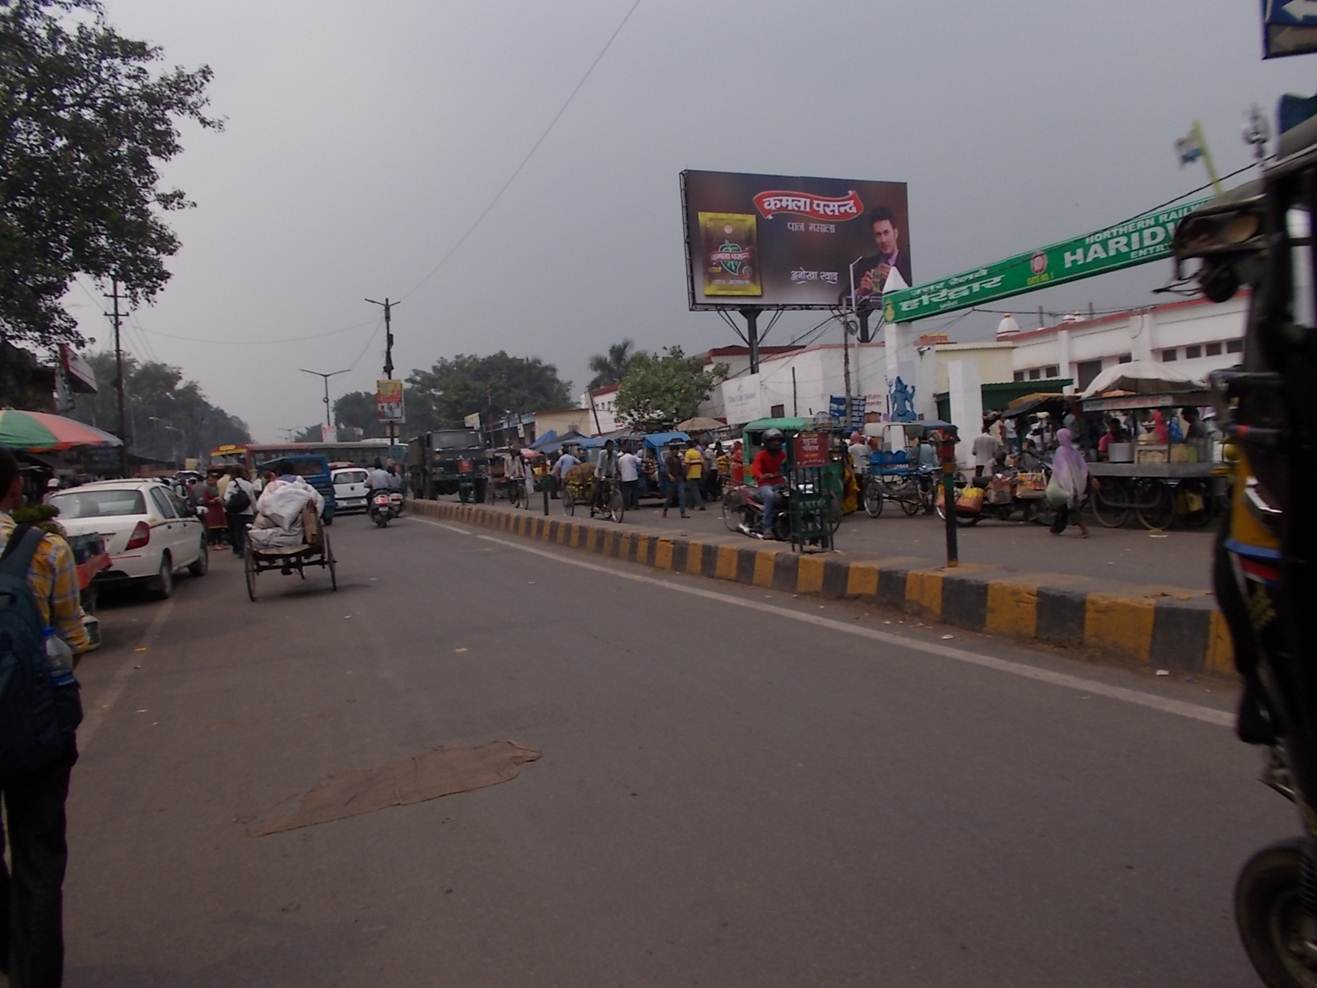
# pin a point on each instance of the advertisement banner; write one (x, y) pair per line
(472, 421)
(809, 449)
(388, 402)
(1138, 241)
(787, 241)
(741, 399)
(82, 378)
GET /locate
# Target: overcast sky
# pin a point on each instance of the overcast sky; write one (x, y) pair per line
(364, 138)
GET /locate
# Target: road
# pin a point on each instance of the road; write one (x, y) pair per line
(1178, 558)
(736, 788)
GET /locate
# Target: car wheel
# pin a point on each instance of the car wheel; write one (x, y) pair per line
(200, 567)
(163, 584)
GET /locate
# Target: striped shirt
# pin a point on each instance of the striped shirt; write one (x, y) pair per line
(54, 581)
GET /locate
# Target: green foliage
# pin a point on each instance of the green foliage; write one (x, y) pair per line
(611, 367)
(356, 410)
(660, 390)
(168, 418)
(455, 388)
(83, 125)
(311, 434)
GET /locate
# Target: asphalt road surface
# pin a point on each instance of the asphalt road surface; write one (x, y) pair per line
(737, 788)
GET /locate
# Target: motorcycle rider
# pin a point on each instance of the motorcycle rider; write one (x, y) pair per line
(379, 481)
(767, 472)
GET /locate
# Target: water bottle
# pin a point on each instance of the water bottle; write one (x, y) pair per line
(59, 657)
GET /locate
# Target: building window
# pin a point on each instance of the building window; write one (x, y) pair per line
(1019, 375)
(1212, 350)
(1086, 371)
(1234, 346)
(1035, 374)
(1192, 352)
(1053, 372)
(1125, 358)
(1169, 355)
(777, 411)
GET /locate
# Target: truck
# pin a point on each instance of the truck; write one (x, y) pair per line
(448, 461)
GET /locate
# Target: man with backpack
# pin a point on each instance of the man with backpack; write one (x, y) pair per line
(239, 499)
(39, 714)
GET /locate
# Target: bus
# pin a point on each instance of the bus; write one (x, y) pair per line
(363, 453)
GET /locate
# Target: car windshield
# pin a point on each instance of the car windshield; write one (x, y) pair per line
(350, 477)
(99, 504)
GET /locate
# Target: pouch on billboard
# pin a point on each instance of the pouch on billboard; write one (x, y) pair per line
(731, 261)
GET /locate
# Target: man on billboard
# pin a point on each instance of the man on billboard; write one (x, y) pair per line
(871, 272)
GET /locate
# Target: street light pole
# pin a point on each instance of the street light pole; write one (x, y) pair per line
(325, 377)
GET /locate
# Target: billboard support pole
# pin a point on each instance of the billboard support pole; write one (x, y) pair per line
(751, 314)
(387, 306)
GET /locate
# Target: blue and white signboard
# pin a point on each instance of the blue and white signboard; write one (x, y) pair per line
(1289, 27)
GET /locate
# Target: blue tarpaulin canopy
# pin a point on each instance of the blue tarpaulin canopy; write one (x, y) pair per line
(656, 440)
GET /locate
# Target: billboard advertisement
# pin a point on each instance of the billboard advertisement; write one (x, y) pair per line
(789, 242)
(388, 401)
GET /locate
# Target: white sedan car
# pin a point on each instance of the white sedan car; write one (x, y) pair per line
(351, 485)
(149, 531)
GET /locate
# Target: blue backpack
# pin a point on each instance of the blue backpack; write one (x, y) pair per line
(30, 735)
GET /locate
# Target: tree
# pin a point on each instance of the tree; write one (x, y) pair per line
(83, 126)
(311, 434)
(499, 383)
(611, 367)
(168, 418)
(660, 390)
(356, 410)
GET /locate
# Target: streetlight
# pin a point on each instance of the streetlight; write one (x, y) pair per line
(329, 426)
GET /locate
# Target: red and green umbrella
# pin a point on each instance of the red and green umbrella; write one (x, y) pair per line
(41, 432)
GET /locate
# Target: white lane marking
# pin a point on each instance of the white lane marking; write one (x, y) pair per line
(92, 720)
(451, 528)
(1179, 708)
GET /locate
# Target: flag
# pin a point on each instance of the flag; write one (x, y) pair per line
(1190, 147)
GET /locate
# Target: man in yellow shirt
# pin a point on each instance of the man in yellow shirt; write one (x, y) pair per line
(694, 461)
(31, 909)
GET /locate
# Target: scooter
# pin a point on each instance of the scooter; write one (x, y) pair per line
(382, 509)
(743, 511)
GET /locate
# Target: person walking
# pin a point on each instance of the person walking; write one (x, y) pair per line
(675, 471)
(34, 823)
(722, 468)
(240, 507)
(628, 469)
(209, 498)
(984, 450)
(1071, 480)
(694, 461)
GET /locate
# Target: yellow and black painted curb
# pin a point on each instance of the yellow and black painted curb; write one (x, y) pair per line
(1180, 630)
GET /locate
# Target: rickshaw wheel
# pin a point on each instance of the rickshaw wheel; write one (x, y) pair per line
(732, 511)
(1109, 516)
(329, 561)
(911, 503)
(616, 506)
(873, 499)
(1159, 512)
(568, 501)
(249, 570)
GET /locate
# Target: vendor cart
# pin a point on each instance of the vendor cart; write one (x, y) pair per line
(1160, 484)
(314, 550)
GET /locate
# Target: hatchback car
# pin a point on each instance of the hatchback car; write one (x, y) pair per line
(351, 484)
(149, 531)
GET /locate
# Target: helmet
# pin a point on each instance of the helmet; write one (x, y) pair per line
(773, 436)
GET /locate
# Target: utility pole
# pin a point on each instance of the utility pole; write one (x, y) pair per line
(846, 366)
(116, 318)
(325, 377)
(388, 350)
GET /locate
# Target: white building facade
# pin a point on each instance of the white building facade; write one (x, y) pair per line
(1195, 336)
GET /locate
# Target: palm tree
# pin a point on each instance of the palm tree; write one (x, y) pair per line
(611, 367)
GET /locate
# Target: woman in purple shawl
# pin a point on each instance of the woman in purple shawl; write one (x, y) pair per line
(1070, 473)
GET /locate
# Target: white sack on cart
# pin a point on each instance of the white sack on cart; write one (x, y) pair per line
(282, 501)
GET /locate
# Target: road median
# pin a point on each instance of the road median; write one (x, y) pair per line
(1165, 627)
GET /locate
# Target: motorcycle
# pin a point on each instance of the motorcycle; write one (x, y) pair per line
(384, 507)
(743, 511)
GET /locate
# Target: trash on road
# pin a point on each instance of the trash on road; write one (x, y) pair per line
(1163, 672)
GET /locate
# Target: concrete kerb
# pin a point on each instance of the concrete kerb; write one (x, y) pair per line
(1169, 628)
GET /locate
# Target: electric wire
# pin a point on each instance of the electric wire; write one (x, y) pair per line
(529, 154)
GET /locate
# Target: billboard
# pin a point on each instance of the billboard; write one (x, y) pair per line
(388, 401)
(1289, 27)
(788, 242)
